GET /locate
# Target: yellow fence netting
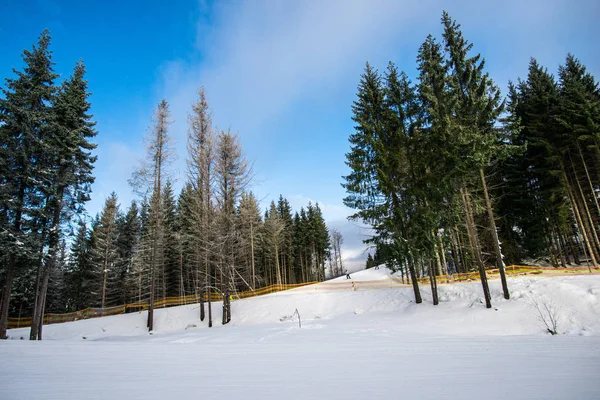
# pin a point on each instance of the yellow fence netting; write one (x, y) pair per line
(140, 306)
(330, 285)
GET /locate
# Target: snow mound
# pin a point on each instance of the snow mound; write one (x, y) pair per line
(461, 310)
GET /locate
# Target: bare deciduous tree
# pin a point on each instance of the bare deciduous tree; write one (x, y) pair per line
(547, 312)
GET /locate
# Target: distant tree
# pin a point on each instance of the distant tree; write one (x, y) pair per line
(370, 263)
(104, 250)
(233, 174)
(152, 176)
(274, 229)
(128, 226)
(198, 215)
(249, 226)
(81, 278)
(336, 254)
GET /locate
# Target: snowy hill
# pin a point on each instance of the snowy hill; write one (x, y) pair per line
(364, 343)
(460, 311)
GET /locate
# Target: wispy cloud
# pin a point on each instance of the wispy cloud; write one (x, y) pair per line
(267, 61)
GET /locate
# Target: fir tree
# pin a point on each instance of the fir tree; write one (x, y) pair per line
(71, 165)
(152, 176)
(25, 120)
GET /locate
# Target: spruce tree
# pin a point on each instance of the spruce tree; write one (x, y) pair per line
(151, 176)
(170, 274)
(477, 108)
(70, 163)
(25, 120)
(104, 251)
(128, 226)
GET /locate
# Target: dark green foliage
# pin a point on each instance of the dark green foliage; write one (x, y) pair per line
(170, 274)
(81, 278)
(437, 169)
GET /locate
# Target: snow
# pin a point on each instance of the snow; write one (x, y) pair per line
(353, 344)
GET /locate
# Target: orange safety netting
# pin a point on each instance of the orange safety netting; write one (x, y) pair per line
(140, 306)
(338, 285)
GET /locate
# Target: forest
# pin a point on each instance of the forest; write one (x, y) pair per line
(450, 175)
(212, 237)
(453, 177)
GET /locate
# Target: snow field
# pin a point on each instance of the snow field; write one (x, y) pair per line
(359, 344)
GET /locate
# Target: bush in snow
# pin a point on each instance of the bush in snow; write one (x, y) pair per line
(548, 313)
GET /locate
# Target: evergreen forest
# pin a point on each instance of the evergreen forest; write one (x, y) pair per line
(450, 174)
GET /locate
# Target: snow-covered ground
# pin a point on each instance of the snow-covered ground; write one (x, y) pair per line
(353, 344)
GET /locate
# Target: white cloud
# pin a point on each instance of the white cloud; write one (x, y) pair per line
(259, 59)
(116, 162)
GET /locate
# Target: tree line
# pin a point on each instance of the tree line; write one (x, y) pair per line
(452, 177)
(210, 238)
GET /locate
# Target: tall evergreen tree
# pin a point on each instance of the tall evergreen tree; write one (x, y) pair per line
(152, 176)
(70, 166)
(25, 120)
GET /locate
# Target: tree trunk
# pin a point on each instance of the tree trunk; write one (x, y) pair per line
(558, 246)
(455, 253)
(573, 248)
(490, 211)
(252, 252)
(151, 301)
(42, 308)
(464, 260)
(565, 246)
(438, 262)
(550, 246)
(10, 275)
(415, 282)
(202, 316)
(443, 251)
(38, 318)
(578, 219)
(433, 282)
(589, 221)
(277, 271)
(210, 280)
(224, 319)
(474, 240)
(36, 301)
(104, 286)
(228, 297)
(181, 286)
(587, 174)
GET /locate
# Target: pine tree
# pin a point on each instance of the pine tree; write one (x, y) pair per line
(152, 176)
(128, 226)
(370, 262)
(274, 230)
(578, 117)
(81, 279)
(477, 109)
(285, 211)
(232, 176)
(249, 225)
(198, 215)
(380, 161)
(170, 274)
(25, 118)
(71, 165)
(104, 251)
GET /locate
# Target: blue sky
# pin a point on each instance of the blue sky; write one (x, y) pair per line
(281, 73)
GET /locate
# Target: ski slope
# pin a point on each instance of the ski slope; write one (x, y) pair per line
(352, 345)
